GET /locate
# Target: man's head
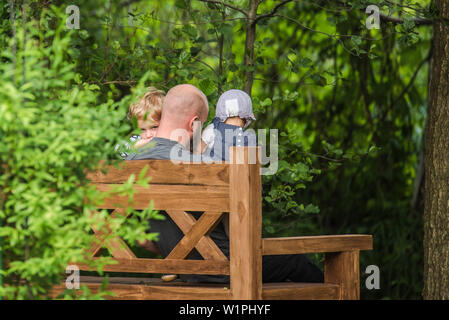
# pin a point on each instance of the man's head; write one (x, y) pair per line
(183, 105)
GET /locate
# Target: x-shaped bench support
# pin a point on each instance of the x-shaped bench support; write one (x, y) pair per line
(196, 235)
(116, 246)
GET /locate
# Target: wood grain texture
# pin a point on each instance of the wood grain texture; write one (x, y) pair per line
(166, 172)
(342, 268)
(155, 292)
(171, 197)
(331, 243)
(171, 266)
(300, 291)
(146, 280)
(155, 289)
(205, 224)
(245, 223)
(205, 246)
(115, 245)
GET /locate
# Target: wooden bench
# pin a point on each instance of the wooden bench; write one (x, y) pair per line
(215, 189)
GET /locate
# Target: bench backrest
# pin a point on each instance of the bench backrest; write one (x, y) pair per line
(233, 187)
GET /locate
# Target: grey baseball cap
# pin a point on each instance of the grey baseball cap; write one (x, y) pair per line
(235, 103)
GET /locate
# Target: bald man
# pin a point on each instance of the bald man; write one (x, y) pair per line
(183, 106)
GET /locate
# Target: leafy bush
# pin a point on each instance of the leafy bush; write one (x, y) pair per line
(53, 130)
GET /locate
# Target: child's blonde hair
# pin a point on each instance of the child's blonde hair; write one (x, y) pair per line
(150, 104)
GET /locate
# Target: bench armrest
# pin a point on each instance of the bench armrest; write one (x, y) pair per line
(312, 244)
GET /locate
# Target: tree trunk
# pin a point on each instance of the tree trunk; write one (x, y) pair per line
(436, 194)
(249, 45)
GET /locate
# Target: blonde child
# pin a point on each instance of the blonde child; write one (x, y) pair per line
(148, 112)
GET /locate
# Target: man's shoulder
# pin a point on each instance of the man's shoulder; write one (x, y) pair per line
(164, 149)
(152, 150)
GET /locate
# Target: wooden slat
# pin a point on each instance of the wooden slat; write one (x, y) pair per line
(172, 266)
(245, 225)
(171, 197)
(342, 268)
(147, 281)
(331, 243)
(166, 172)
(207, 221)
(151, 288)
(120, 280)
(155, 292)
(300, 291)
(94, 248)
(116, 246)
(205, 246)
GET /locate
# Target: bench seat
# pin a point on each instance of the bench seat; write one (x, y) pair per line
(127, 288)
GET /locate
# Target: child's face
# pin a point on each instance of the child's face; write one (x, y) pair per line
(148, 127)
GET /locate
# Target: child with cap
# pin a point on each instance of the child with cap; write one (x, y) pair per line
(234, 112)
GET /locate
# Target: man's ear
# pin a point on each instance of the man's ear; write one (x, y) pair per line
(192, 123)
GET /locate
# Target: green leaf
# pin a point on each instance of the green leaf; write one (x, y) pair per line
(194, 51)
(83, 34)
(181, 4)
(207, 86)
(182, 73)
(304, 62)
(310, 208)
(266, 102)
(319, 79)
(356, 40)
(115, 44)
(270, 229)
(190, 30)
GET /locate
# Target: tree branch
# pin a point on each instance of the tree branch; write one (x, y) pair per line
(333, 36)
(417, 21)
(396, 20)
(415, 74)
(272, 12)
(226, 5)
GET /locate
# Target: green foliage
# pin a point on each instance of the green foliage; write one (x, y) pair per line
(51, 131)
